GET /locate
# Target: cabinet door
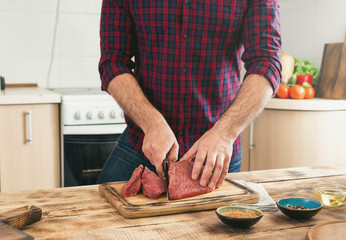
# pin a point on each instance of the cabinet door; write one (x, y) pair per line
(25, 164)
(298, 138)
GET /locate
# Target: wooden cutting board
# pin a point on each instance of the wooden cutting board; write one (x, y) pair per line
(142, 206)
(332, 78)
(335, 230)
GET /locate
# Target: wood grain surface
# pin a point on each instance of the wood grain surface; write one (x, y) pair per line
(82, 213)
(142, 206)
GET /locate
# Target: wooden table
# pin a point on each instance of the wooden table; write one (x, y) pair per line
(81, 213)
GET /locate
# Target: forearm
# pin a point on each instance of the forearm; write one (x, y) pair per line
(253, 95)
(126, 91)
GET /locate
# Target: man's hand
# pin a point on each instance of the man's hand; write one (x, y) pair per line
(215, 146)
(215, 149)
(159, 141)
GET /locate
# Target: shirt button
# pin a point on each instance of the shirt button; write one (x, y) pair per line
(187, 1)
(184, 69)
(182, 101)
(186, 35)
(180, 132)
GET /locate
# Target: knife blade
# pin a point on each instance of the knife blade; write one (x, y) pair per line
(165, 167)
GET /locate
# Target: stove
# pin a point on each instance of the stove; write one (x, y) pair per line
(91, 123)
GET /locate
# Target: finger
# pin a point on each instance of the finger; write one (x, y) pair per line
(197, 166)
(216, 172)
(208, 169)
(159, 157)
(191, 153)
(159, 170)
(224, 172)
(173, 153)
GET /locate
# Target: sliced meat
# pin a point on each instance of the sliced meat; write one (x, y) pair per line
(152, 185)
(181, 184)
(133, 186)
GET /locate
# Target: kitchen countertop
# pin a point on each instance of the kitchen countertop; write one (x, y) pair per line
(81, 213)
(314, 104)
(28, 95)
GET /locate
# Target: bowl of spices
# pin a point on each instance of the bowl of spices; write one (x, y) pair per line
(239, 216)
(299, 208)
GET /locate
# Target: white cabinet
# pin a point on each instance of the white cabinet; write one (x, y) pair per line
(294, 135)
(29, 146)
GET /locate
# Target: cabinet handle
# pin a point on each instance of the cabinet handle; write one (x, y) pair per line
(251, 143)
(28, 120)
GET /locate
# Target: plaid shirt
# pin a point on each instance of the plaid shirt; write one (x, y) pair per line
(187, 56)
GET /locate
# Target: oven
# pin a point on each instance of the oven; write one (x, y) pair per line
(91, 122)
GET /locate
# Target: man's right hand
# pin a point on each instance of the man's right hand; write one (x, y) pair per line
(159, 142)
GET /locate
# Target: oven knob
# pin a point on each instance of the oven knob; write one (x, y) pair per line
(77, 115)
(101, 115)
(89, 115)
(112, 114)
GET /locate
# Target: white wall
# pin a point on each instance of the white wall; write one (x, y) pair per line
(27, 38)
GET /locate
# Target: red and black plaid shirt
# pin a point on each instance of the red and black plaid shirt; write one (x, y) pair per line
(187, 56)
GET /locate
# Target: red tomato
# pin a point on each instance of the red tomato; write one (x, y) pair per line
(310, 92)
(283, 92)
(297, 92)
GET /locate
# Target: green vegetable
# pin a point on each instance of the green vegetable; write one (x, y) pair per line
(302, 68)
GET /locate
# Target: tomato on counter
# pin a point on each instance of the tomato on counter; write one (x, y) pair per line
(297, 92)
(284, 91)
(310, 92)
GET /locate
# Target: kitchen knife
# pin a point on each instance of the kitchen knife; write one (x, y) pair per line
(165, 167)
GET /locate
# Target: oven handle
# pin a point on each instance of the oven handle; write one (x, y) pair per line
(92, 170)
(28, 120)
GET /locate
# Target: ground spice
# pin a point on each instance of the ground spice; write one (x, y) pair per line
(241, 214)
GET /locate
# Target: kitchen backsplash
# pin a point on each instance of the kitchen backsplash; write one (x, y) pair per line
(37, 45)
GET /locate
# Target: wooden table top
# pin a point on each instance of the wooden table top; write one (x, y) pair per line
(81, 213)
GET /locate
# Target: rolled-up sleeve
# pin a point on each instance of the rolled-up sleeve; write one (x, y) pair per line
(262, 41)
(116, 35)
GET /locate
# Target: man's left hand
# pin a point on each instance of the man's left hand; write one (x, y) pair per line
(215, 149)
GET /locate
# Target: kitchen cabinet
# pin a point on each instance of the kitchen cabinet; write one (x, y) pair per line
(295, 133)
(29, 139)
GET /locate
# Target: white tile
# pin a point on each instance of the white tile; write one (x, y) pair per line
(289, 4)
(26, 33)
(78, 35)
(297, 33)
(79, 72)
(29, 5)
(25, 69)
(81, 6)
(329, 25)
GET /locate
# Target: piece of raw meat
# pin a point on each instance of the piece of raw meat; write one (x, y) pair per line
(181, 184)
(133, 186)
(152, 185)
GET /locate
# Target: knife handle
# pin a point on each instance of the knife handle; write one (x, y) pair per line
(21, 217)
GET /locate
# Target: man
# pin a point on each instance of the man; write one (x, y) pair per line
(184, 99)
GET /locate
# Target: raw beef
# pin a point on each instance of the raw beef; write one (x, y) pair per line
(152, 185)
(181, 184)
(133, 186)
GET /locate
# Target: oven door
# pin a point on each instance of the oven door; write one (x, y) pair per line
(84, 157)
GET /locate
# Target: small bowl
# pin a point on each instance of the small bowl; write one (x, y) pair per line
(331, 195)
(236, 222)
(312, 207)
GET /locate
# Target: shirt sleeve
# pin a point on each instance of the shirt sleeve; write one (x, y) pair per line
(262, 41)
(117, 41)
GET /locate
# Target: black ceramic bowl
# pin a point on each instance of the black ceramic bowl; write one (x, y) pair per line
(247, 222)
(286, 206)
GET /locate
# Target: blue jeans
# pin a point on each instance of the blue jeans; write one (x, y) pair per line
(124, 159)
